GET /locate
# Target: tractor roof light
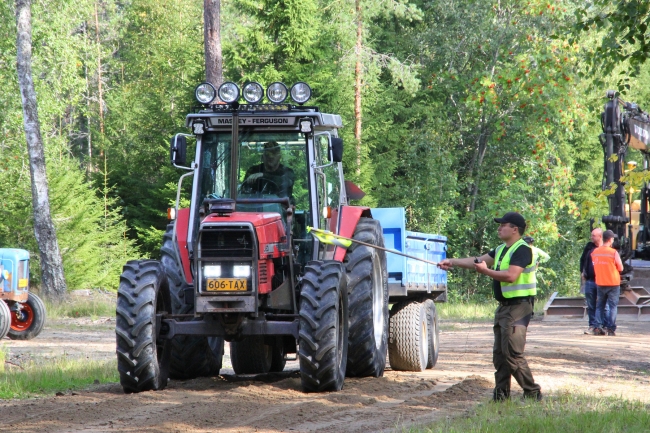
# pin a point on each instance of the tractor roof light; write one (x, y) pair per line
(253, 92)
(277, 92)
(300, 92)
(229, 92)
(205, 93)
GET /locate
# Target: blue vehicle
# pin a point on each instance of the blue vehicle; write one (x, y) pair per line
(22, 314)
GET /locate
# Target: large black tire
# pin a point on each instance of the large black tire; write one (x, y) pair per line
(251, 355)
(408, 346)
(323, 339)
(5, 319)
(30, 321)
(142, 359)
(191, 357)
(433, 332)
(368, 297)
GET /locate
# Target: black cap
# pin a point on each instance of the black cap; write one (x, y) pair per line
(608, 234)
(512, 218)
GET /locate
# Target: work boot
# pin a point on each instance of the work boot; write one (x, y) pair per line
(599, 331)
(611, 333)
(590, 330)
(535, 395)
(499, 394)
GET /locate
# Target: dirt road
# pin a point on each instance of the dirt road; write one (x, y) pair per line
(561, 358)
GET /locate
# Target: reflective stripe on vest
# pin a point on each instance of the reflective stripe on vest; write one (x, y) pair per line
(526, 283)
(604, 259)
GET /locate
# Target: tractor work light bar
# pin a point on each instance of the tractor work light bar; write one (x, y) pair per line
(253, 92)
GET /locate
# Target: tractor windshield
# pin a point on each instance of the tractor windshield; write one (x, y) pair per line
(271, 165)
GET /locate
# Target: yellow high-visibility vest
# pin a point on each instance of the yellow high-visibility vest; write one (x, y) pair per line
(526, 283)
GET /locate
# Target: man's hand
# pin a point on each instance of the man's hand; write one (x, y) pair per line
(445, 264)
(480, 267)
(253, 177)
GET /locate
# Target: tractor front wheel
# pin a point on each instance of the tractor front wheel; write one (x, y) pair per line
(5, 319)
(28, 321)
(323, 337)
(142, 358)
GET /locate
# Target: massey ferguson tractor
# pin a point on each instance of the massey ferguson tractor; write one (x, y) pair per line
(240, 265)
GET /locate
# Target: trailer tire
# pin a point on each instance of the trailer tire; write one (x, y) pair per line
(142, 358)
(433, 332)
(192, 356)
(368, 301)
(407, 345)
(323, 336)
(31, 321)
(5, 319)
(251, 355)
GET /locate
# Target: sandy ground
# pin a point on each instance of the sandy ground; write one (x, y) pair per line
(560, 355)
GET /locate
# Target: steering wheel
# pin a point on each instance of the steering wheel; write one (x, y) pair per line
(247, 187)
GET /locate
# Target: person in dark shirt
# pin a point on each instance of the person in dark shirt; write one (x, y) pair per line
(514, 287)
(589, 277)
(270, 177)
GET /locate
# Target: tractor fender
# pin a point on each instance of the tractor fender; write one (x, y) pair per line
(348, 219)
(182, 223)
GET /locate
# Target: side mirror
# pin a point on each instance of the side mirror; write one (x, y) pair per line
(337, 149)
(178, 149)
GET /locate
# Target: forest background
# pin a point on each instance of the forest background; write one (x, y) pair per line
(470, 109)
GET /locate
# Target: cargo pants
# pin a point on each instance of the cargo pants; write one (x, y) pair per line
(510, 326)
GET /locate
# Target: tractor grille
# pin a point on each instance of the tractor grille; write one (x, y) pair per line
(226, 241)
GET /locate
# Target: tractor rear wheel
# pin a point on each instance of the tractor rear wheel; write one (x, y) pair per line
(433, 336)
(368, 297)
(408, 347)
(5, 319)
(192, 356)
(323, 338)
(251, 355)
(29, 321)
(142, 358)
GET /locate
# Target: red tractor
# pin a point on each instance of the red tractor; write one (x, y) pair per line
(239, 264)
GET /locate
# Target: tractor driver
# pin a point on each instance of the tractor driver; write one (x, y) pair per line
(270, 177)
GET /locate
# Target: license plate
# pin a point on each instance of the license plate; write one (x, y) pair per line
(225, 284)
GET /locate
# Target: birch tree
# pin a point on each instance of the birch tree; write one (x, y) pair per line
(53, 280)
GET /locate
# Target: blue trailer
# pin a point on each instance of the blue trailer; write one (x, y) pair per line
(413, 286)
(22, 314)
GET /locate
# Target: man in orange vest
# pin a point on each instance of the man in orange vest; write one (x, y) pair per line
(608, 268)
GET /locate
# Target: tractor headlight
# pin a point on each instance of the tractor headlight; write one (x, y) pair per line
(253, 92)
(212, 271)
(205, 93)
(229, 92)
(277, 93)
(239, 271)
(300, 92)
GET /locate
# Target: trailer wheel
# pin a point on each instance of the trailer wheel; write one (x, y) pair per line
(433, 335)
(5, 319)
(192, 356)
(408, 348)
(142, 358)
(251, 355)
(323, 338)
(368, 297)
(29, 321)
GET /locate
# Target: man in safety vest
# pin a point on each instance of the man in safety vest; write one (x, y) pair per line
(607, 267)
(512, 269)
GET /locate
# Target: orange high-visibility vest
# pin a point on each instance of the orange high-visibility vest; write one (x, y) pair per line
(604, 259)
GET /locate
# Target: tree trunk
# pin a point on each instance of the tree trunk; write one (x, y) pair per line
(212, 40)
(357, 85)
(53, 280)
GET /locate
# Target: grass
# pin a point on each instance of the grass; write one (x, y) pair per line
(564, 412)
(471, 311)
(94, 306)
(53, 375)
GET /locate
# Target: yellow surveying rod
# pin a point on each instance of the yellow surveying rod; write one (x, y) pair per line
(330, 238)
